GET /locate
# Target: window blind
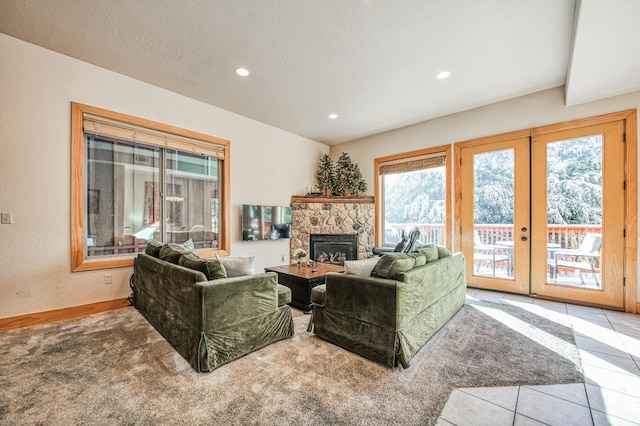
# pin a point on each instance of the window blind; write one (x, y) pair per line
(412, 164)
(96, 125)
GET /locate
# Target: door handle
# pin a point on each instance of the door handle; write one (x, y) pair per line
(524, 229)
(524, 238)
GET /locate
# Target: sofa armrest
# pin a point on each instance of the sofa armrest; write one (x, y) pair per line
(428, 284)
(368, 299)
(319, 295)
(379, 251)
(284, 295)
(230, 301)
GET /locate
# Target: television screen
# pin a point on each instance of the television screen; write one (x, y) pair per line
(265, 222)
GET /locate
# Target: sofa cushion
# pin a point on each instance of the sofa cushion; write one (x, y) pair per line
(211, 268)
(430, 251)
(391, 265)
(171, 252)
(443, 252)
(363, 267)
(238, 266)
(420, 258)
(153, 249)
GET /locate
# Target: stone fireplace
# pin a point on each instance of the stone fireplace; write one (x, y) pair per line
(352, 217)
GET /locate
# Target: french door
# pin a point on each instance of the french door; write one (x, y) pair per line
(494, 200)
(583, 259)
(543, 212)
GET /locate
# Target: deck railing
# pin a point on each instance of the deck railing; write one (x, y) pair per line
(429, 233)
(568, 237)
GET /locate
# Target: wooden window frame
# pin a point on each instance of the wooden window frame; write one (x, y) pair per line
(79, 262)
(407, 157)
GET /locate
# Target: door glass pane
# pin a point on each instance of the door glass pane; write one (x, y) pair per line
(493, 185)
(415, 199)
(574, 211)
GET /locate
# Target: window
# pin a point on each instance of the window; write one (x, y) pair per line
(413, 190)
(134, 181)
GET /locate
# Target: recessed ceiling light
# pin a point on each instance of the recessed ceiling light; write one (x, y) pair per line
(333, 116)
(242, 72)
(442, 75)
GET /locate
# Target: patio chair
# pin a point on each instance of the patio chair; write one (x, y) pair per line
(489, 253)
(585, 258)
(197, 234)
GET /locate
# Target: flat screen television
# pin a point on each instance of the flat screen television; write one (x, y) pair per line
(265, 222)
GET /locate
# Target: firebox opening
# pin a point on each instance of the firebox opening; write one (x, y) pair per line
(333, 248)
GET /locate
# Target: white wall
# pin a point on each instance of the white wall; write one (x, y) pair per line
(37, 86)
(537, 109)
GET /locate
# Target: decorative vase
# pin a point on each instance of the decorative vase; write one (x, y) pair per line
(299, 261)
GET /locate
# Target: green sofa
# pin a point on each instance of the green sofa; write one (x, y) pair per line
(211, 322)
(387, 320)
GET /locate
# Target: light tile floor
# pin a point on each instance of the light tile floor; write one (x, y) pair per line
(609, 347)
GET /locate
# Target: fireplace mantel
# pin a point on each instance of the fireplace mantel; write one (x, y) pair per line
(332, 215)
(367, 199)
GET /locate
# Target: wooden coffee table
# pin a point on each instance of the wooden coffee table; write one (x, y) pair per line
(302, 279)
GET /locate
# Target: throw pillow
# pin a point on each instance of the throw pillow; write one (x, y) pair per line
(363, 267)
(391, 265)
(189, 245)
(171, 252)
(430, 251)
(238, 266)
(153, 249)
(443, 252)
(211, 268)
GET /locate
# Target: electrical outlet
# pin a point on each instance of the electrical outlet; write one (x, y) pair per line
(107, 278)
(284, 257)
(6, 218)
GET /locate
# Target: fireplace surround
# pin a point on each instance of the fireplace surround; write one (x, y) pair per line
(353, 216)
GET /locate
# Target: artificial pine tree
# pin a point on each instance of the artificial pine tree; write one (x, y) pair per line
(348, 177)
(343, 171)
(362, 186)
(355, 179)
(343, 178)
(325, 175)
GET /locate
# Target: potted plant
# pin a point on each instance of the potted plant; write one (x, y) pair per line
(299, 254)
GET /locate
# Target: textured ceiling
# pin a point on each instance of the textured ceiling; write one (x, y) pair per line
(373, 62)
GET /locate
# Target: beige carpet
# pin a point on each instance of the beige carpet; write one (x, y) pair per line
(114, 368)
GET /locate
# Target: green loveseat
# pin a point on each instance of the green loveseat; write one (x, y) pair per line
(387, 320)
(211, 323)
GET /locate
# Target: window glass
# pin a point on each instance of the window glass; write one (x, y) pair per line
(493, 210)
(122, 181)
(574, 211)
(124, 208)
(191, 199)
(415, 199)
